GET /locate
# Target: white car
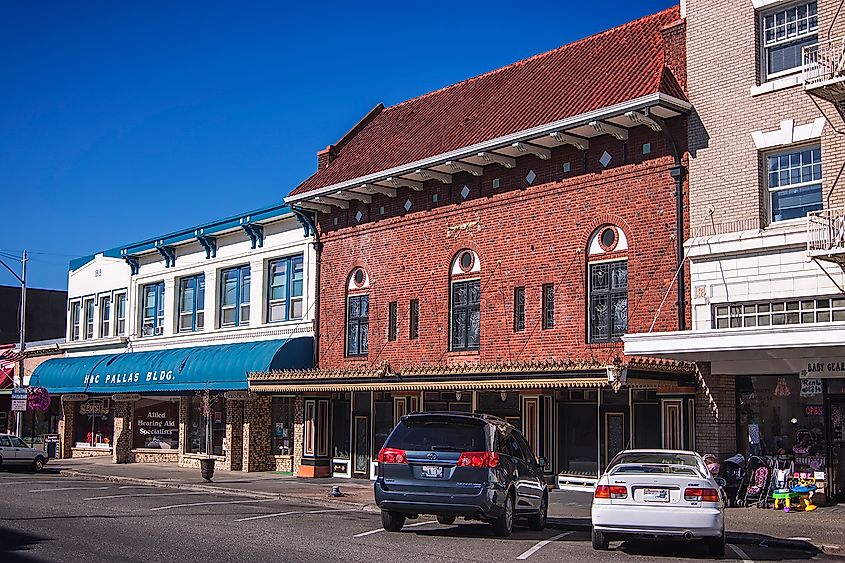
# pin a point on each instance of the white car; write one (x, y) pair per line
(658, 493)
(15, 453)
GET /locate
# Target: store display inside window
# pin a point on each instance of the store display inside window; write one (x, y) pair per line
(94, 424)
(207, 412)
(156, 424)
(783, 416)
(282, 426)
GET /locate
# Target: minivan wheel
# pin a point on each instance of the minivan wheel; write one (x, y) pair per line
(537, 522)
(600, 541)
(392, 521)
(503, 526)
(38, 464)
(446, 520)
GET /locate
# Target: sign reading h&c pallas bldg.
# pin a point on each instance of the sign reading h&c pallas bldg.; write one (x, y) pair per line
(128, 378)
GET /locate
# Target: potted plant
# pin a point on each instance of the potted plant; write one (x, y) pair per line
(207, 463)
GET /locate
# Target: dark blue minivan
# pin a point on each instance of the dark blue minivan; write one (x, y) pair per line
(454, 464)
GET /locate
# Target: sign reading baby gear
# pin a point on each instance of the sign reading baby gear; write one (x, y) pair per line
(825, 367)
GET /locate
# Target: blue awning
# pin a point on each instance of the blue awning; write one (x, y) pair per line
(217, 368)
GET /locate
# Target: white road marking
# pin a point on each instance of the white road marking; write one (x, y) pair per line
(540, 545)
(415, 524)
(260, 516)
(213, 502)
(741, 554)
(68, 489)
(799, 538)
(145, 495)
(135, 487)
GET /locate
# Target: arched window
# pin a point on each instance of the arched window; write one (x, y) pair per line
(357, 313)
(465, 302)
(607, 284)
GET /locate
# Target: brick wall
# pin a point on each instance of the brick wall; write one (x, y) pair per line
(524, 236)
(725, 166)
(122, 438)
(715, 413)
(256, 433)
(66, 428)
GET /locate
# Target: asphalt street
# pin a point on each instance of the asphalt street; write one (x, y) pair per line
(48, 517)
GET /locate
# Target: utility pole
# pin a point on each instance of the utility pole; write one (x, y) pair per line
(22, 279)
(19, 417)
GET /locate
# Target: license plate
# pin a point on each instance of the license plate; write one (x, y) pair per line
(432, 471)
(655, 495)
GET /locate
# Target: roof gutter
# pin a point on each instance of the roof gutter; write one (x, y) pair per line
(650, 100)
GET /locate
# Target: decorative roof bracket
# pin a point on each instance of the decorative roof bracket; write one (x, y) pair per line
(255, 233)
(134, 265)
(209, 243)
(169, 254)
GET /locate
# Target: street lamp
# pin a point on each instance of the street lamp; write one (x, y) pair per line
(22, 279)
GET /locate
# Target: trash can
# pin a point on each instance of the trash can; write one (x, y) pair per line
(51, 445)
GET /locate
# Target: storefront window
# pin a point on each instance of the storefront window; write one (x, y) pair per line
(199, 424)
(383, 404)
(94, 424)
(37, 423)
(282, 426)
(341, 425)
(578, 432)
(783, 416)
(156, 424)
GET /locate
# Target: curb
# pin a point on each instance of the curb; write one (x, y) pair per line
(365, 507)
(731, 537)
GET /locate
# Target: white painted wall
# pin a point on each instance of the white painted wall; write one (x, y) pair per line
(282, 238)
(764, 265)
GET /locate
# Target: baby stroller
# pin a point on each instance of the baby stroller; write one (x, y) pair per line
(758, 476)
(733, 473)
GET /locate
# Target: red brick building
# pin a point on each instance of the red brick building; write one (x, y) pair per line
(485, 246)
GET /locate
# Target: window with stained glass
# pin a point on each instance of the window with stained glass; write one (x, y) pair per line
(466, 315)
(608, 301)
(357, 325)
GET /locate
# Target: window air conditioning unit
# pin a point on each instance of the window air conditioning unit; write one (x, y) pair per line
(159, 330)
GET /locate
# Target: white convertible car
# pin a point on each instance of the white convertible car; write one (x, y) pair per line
(658, 493)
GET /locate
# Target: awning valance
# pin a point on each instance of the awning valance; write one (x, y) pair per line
(217, 368)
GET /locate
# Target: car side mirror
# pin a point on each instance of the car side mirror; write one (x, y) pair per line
(542, 462)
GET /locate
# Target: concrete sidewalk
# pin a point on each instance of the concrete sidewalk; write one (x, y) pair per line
(823, 529)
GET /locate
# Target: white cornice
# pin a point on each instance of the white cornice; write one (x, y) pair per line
(500, 142)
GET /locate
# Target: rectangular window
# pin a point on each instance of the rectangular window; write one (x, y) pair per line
(120, 307)
(234, 297)
(357, 325)
(608, 301)
(466, 315)
(548, 305)
(89, 318)
(192, 303)
(392, 320)
(152, 312)
(518, 309)
(794, 181)
(105, 316)
(785, 32)
(284, 289)
(414, 324)
(75, 315)
(207, 424)
(777, 313)
(282, 426)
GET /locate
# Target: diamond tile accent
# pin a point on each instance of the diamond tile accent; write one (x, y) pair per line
(605, 159)
(381, 210)
(496, 183)
(435, 198)
(408, 205)
(530, 177)
(359, 216)
(464, 192)
(567, 167)
(646, 148)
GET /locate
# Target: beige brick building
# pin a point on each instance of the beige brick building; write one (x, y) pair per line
(767, 147)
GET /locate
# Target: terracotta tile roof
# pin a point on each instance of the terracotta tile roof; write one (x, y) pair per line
(612, 67)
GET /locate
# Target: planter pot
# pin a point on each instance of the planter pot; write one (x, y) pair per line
(207, 468)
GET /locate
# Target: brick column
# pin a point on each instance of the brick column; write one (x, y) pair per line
(715, 413)
(122, 444)
(66, 428)
(256, 433)
(234, 434)
(298, 431)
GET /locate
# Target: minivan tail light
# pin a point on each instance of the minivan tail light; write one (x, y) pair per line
(478, 459)
(392, 455)
(696, 494)
(611, 491)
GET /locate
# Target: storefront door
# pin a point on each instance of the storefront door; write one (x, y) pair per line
(837, 447)
(361, 411)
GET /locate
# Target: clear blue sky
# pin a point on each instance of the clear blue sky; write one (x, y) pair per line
(121, 121)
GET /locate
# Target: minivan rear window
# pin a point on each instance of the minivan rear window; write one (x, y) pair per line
(431, 435)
